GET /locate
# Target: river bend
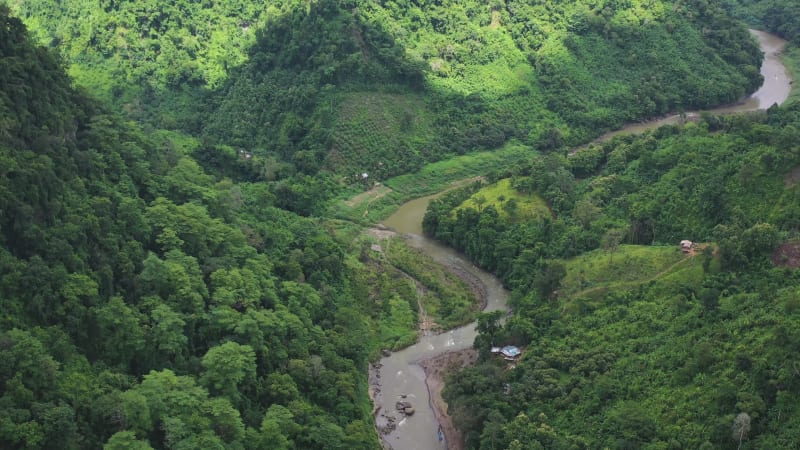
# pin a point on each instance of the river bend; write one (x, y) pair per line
(400, 376)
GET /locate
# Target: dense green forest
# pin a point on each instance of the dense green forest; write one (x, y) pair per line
(170, 276)
(629, 343)
(354, 86)
(146, 302)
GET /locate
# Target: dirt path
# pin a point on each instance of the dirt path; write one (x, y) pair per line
(688, 257)
(377, 192)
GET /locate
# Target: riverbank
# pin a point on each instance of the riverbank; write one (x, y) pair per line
(778, 84)
(438, 367)
(436, 370)
(416, 374)
(475, 284)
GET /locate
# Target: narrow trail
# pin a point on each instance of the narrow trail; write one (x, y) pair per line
(637, 282)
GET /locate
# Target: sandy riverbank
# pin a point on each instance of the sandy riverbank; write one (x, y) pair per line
(436, 370)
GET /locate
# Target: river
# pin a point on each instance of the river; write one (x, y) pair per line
(401, 378)
(776, 88)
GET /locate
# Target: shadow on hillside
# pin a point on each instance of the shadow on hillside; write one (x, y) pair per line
(326, 89)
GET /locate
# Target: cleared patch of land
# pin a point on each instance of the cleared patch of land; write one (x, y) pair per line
(507, 201)
(376, 204)
(373, 194)
(787, 255)
(599, 271)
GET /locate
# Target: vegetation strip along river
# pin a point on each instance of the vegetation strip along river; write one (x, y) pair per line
(400, 377)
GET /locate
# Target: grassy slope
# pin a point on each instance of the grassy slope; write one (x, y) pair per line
(599, 271)
(658, 350)
(644, 328)
(498, 195)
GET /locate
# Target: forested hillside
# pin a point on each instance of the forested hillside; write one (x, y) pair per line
(146, 303)
(170, 277)
(628, 343)
(383, 87)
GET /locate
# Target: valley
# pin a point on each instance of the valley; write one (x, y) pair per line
(304, 224)
(401, 376)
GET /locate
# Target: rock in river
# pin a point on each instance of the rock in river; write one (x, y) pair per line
(401, 405)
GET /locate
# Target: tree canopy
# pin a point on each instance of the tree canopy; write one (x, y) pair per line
(170, 275)
(625, 337)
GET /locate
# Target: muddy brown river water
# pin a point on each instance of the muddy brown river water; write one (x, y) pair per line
(400, 378)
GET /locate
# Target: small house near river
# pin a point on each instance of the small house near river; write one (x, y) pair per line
(509, 352)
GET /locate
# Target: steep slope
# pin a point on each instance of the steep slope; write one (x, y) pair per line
(546, 76)
(147, 304)
(640, 346)
(356, 86)
(774, 15)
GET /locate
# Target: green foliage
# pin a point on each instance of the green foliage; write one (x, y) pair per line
(776, 16)
(791, 59)
(635, 328)
(179, 289)
(483, 84)
(431, 178)
(148, 302)
(445, 298)
(385, 88)
(124, 440)
(507, 202)
(596, 271)
(227, 366)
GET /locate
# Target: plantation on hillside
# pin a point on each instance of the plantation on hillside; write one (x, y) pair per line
(384, 88)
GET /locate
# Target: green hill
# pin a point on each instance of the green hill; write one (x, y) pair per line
(595, 273)
(507, 202)
(641, 346)
(146, 303)
(780, 17)
(360, 86)
(170, 276)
